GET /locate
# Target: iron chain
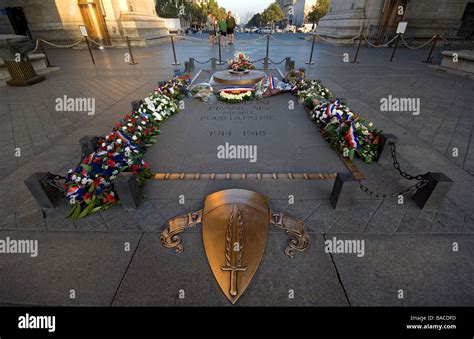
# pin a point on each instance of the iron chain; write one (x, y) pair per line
(205, 62)
(396, 165)
(412, 188)
(277, 63)
(421, 178)
(254, 61)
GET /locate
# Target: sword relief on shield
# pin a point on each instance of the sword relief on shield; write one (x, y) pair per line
(234, 248)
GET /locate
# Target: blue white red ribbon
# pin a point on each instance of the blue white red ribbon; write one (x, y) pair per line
(237, 89)
(351, 137)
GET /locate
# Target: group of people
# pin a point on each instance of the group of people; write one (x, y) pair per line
(222, 29)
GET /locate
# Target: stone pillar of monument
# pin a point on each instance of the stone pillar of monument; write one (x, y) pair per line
(347, 19)
(425, 18)
(138, 20)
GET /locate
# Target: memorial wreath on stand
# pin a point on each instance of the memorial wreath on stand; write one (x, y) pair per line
(240, 62)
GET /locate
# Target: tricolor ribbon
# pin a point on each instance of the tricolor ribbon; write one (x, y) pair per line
(126, 140)
(351, 137)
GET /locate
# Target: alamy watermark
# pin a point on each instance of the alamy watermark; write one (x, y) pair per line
(12, 246)
(346, 246)
(391, 104)
(47, 322)
(228, 151)
(66, 104)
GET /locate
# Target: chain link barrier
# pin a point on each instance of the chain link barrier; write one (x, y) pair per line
(339, 41)
(379, 46)
(61, 46)
(36, 46)
(276, 63)
(417, 47)
(205, 62)
(98, 44)
(421, 178)
(396, 165)
(254, 61)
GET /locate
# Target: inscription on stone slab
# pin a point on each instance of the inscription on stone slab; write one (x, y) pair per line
(247, 111)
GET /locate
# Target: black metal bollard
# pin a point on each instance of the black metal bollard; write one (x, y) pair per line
(128, 190)
(343, 191)
(213, 63)
(435, 40)
(356, 57)
(191, 63)
(220, 52)
(434, 192)
(89, 48)
(40, 45)
(310, 62)
(287, 64)
(384, 151)
(132, 60)
(47, 196)
(187, 69)
(396, 46)
(266, 61)
(175, 63)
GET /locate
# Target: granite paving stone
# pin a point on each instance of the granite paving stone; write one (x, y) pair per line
(323, 217)
(91, 264)
(416, 220)
(188, 271)
(93, 222)
(356, 219)
(387, 217)
(448, 219)
(468, 226)
(426, 268)
(122, 222)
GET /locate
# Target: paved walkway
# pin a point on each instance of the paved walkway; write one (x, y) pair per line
(406, 249)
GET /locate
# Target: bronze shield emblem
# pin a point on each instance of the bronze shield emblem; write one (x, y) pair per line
(234, 232)
(235, 226)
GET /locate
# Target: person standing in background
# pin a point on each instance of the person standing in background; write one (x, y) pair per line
(230, 27)
(211, 26)
(223, 30)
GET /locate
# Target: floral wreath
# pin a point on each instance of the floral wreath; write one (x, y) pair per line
(236, 95)
(240, 61)
(89, 186)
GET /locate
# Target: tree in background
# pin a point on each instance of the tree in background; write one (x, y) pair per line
(218, 12)
(198, 14)
(255, 21)
(318, 10)
(272, 14)
(169, 8)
